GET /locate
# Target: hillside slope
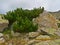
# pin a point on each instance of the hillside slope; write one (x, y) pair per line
(56, 14)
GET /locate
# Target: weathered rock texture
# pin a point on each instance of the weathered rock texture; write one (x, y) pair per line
(2, 40)
(3, 24)
(46, 21)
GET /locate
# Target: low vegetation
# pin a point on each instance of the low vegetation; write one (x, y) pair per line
(20, 20)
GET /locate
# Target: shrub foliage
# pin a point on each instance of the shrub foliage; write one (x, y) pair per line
(21, 19)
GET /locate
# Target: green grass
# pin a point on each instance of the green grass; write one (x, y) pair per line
(7, 32)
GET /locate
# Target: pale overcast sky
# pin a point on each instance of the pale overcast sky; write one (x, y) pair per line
(49, 5)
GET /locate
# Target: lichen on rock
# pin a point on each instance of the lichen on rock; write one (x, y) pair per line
(3, 23)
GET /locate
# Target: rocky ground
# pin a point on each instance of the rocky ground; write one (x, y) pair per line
(48, 33)
(32, 38)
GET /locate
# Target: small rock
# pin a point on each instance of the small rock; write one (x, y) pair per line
(2, 40)
(1, 34)
(33, 34)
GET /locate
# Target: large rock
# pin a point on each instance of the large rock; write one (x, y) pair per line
(46, 21)
(3, 24)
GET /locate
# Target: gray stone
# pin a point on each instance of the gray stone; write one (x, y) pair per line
(2, 40)
(33, 34)
(47, 21)
(1, 35)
